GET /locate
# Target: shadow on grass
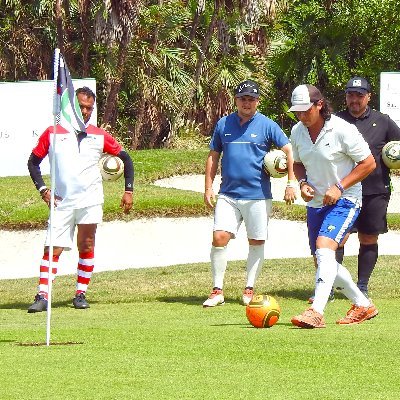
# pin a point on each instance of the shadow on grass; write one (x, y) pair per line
(297, 294)
(191, 300)
(243, 325)
(25, 306)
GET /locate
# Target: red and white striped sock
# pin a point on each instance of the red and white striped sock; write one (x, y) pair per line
(85, 270)
(44, 274)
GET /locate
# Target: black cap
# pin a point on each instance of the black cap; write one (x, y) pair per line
(247, 88)
(358, 84)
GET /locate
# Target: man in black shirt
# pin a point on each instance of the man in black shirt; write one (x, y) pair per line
(377, 129)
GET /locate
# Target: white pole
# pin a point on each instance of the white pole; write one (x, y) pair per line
(56, 110)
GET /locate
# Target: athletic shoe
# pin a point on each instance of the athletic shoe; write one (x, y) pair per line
(39, 305)
(309, 319)
(248, 294)
(358, 314)
(216, 298)
(331, 297)
(79, 301)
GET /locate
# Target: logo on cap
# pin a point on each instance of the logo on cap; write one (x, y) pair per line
(247, 86)
(300, 98)
(358, 84)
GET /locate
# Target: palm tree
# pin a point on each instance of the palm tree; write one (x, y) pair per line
(26, 40)
(159, 65)
(115, 24)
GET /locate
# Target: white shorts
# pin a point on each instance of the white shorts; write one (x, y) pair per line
(230, 213)
(65, 221)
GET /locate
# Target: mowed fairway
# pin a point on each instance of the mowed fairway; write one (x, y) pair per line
(146, 336)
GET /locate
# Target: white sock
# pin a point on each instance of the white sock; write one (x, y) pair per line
(346, 285)
(218, 265)
(255, 260)
(324, 278)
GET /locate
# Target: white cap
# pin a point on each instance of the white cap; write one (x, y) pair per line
(304, 96)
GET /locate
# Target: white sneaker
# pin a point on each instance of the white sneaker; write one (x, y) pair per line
(248, 294)
(216, 298)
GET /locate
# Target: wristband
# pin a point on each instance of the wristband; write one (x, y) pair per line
(340, 187)
(301, 181)
(42, 189)
(43, 192)
(291, 184)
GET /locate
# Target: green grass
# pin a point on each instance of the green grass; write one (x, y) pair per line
(146, 336)
(22, 208)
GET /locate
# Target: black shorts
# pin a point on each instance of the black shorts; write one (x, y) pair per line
(372, 219)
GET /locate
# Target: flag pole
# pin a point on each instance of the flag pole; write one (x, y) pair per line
(56, 111)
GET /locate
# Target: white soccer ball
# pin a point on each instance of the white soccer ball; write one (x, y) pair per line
(111, 167)
(275, 163)
(391, 154)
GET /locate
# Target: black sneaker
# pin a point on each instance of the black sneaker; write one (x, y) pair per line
(79, 301)
(39, 305)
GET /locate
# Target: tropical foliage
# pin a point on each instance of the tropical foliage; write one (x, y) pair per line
(326, 42)
(166, 67)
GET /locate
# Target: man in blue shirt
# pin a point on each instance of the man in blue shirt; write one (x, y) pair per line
(242, 138)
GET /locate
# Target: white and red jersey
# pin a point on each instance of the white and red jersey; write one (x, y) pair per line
(78, 182)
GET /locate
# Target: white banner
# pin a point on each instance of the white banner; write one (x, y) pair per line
(390, 95)
(27, 110)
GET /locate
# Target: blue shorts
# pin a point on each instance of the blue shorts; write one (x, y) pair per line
(333, 221)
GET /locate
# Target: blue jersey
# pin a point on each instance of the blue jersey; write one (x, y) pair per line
(243, 149)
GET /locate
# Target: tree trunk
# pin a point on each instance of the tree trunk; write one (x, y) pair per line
(138, 126)
(203, 53)
(86, 34)
(109, 110)
(195, 24)
(59, 26)
(206, 42)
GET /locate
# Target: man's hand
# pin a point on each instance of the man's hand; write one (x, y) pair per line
(307, 192)
(332, 195)
(46, 197)
(290, 195)
(127, 202)
(209, 197)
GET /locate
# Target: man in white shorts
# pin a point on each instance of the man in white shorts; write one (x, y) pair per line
(78, 195)
(243, 138)
(330, 159)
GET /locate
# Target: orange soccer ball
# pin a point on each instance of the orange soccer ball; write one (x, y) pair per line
(263, 311)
